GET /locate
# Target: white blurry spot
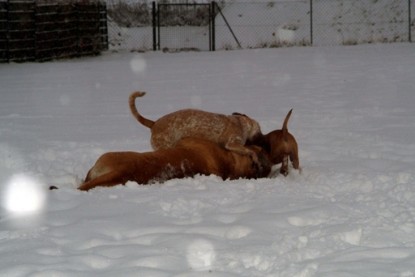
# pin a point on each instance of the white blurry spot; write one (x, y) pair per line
(302, 242)
(352, 237)
(65, 100)
(237, 232)
(24, 195)
(305, 221)
(406, 274)
(138, 64)
(201, 255)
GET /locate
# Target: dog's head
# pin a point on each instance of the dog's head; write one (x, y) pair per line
(264, 168)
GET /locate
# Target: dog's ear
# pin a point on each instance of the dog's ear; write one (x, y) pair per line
(261, 141)
(264, 167)
(241, 114)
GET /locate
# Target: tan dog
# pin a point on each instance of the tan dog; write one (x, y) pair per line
(189, 157)
(281, 146)
(229, 131)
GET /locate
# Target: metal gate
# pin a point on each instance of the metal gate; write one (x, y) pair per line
(183, 27)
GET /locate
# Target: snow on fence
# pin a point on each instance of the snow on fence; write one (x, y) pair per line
(258, 24)
(40, 31)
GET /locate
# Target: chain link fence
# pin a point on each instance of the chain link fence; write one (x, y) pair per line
(260, 24)
(32, 30)
(130, 25)
(263, 24)
(184, 27)
(350, 22)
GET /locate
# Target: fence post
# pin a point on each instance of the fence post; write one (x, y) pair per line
(77, 31)
(311, 22)
(158, 26)
(409, 21)
(35, 35)
(154, 13)
(8, 32)
(103, 25)
(34, 30)
(212, 22)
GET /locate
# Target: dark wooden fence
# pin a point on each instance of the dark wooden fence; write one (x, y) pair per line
(35, 31)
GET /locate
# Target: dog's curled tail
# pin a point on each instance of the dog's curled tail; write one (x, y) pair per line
(146, 122)
(285, 124)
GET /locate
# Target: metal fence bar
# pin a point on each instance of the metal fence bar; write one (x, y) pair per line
(409, 22)
(154, 24)
(311, 22)
(229, 26)
(211, 28)
(158, 27)
(212, 22)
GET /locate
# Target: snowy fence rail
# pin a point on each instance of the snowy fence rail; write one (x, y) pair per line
(37, 31)
(259, 24)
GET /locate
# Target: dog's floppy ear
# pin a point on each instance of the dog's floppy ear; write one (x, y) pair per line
(264, 166)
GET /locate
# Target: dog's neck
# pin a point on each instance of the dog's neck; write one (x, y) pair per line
(261, 141)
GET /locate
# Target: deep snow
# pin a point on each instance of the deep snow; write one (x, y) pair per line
(351, 211)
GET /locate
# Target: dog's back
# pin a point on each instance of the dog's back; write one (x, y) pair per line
(189, 157)
(229, 131)
(169, 129)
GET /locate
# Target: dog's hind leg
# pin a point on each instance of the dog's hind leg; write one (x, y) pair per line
(107, 180)
(284, 166)
(294, 159)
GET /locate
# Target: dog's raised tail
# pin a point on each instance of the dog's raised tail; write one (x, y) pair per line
(146, 122)
(285, 124)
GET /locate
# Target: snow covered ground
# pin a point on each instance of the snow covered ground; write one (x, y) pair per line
(351, 211)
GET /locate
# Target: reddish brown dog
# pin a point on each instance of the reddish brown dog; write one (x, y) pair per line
(229, 131)
(281, 146)
(189, 157)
